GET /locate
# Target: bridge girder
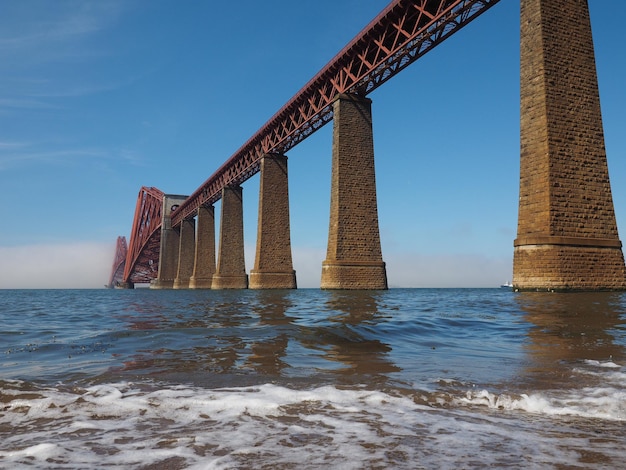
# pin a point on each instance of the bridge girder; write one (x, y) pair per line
(142, 260)
(402, 33)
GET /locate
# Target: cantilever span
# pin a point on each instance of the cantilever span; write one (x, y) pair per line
(119, 262)
(142, 259)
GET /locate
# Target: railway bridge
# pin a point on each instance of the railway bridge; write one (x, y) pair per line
(567, 235)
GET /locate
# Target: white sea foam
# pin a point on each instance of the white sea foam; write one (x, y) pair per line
(133, 425)
(38, 452)
(606, 401)
(608, 364)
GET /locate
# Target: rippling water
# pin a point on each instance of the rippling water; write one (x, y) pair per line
(405, 378)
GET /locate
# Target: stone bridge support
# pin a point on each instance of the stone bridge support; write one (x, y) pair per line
(273, 266)
(567, 234)
(204, 260)
(354, 257)
(186, 253)
(231, 265)
(170, 245)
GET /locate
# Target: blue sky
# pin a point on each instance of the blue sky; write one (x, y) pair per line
(98, 98)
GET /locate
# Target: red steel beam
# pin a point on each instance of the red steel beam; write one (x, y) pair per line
(403, 32)
(142, 259)
(117, 270)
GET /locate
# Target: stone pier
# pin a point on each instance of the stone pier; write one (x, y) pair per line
(186, 253)
(273, 266)
(204, 262)
(567, 235)
(170, 245)
(231, 265)
(354, 257)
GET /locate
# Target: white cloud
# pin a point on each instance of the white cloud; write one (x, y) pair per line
(10, 159)
(79, 265)
(32, 29)
(11, 145)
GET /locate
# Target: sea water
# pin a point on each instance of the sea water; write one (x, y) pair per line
(307, 379)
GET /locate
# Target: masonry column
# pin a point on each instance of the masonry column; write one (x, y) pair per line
(273, 267)
(231, 265)
(204, 264)
(170, 244)
(186, 252)
(354, 257)
(567, 234)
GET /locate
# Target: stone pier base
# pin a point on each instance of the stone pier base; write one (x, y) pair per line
(265, 280)
(569, 268)
(195, 283)
(221, 281)
(353, 275)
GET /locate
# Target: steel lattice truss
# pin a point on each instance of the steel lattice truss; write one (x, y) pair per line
(117, 271)
(403, 32)
(142, 259)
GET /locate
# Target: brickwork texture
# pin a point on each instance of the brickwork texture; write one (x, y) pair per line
(354, 256)
(170, 244)
(204, 259)
(231, 265)
(273, 266)
(567, 233)
(186, 253)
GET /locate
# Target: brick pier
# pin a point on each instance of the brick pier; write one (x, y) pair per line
(204, 260)
(567, 235)
(186, 253)
(170, 245)
(354, 257)
(273, 267)
(231, 265)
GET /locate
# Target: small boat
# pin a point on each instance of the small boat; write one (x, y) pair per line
(506, 285)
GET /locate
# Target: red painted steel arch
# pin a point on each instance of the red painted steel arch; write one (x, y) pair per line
(119, 262)
(142, 260)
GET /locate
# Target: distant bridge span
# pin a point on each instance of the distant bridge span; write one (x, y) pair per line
(138, 261)
(567, 232)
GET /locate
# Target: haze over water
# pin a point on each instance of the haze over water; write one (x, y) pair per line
(405, 378)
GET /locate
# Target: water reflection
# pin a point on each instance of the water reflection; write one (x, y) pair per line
(267, 355)
(229, 338)
(353, 307)
(192, 336)
(348, 338)
(569, 329)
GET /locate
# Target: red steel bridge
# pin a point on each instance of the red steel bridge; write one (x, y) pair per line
(402, 33)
